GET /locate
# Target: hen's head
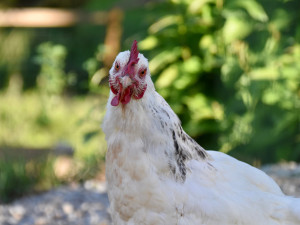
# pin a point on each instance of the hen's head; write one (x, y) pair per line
(127, 77)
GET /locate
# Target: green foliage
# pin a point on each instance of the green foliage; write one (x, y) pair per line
(91, 65)
(18, 177)
(12, 175)
(230, 70)
(52, 77)
(44, 118)
(14, 47)
(39, 170)
(68, 121)
(74, 121)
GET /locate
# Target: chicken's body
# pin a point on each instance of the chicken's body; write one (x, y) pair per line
(158, 175)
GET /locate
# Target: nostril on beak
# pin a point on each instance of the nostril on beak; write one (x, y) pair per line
(126, 81)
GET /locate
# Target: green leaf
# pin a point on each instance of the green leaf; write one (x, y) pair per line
(164, 58)
(192, 65)
(265, 73)
(196, 6)
(200, 107)
(167, 76)
(236, 28)
(164, 22)
(149, 43)
(281, 19)
(254, 9)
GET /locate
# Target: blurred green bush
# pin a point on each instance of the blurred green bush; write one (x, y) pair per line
(231, 71)
(18, 177)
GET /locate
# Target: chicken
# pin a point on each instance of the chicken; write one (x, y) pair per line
(158, 175)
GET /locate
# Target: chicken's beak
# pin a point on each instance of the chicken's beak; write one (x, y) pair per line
(126, 81)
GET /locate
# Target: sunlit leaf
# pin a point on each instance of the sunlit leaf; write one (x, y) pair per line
(197, 5)
(192, 65)
(236, 28)
(199, 106)
(270, 96)
(167, 76)
(164, 22)
(231, 71)
(164, 58)
(266, 73)
(148, 43)
(255, 10)
(291, 73)
(206, 41)
(246, 97)
(183, 82)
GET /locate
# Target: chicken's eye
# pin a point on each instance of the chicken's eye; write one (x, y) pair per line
(117, 66)
(142, 73)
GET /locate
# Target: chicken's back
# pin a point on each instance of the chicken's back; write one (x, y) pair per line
(228, 191)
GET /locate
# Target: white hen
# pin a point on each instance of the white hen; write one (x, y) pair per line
(158, 175)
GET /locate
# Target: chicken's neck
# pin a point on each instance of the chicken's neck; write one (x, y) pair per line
(148, 127)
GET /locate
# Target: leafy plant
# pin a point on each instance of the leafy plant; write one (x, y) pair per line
(19, 177)
(230, 70)
(52, 76)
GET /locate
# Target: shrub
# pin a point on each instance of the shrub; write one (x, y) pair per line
(230, 70)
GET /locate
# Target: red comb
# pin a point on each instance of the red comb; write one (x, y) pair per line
(133, 59)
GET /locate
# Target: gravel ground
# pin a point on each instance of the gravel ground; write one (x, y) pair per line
(87, 204)
(69, 205)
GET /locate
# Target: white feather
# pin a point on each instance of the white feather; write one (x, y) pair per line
(146, 186)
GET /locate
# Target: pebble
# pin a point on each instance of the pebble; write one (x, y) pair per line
(87, 204)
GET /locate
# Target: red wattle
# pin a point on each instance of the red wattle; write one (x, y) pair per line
(115, 101)
(126, 96)
(115, 91)
(141, 94)
(112, 88)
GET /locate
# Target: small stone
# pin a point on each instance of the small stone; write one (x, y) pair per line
(68, 208)
(17, 212)
(40, 221)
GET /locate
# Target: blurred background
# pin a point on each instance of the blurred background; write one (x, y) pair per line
(230, 69)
